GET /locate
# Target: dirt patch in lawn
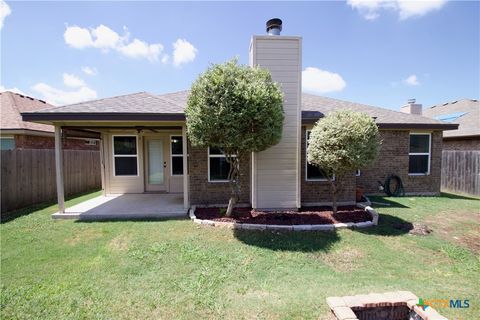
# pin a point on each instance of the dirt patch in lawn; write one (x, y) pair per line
(460, 227)
(85, 235)
(120, 243)
(344, 260)
(306, 215)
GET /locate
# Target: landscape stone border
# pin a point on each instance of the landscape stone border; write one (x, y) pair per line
(301, 227)
(343, 307)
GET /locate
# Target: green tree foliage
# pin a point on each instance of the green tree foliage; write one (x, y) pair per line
(341, 143)
(237, 109)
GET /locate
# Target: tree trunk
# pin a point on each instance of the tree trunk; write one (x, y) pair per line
(234, 181)
(334, 195)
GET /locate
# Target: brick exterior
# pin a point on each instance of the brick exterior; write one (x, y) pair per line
(461, 144)
(319, 191)
(203, 192)
(41, 142)
(393, 159)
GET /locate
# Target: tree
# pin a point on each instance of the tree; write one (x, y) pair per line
(341, 143)
(237, 109)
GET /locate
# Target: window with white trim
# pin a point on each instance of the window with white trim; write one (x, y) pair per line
(312, 173)
(419, 154)
(176, 155)
(218, 167)
(125, 156)
(358, 173)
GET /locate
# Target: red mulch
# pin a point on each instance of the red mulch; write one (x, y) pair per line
(306, 215)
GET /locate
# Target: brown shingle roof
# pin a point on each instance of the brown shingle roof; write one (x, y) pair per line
(468, 111)
(12, 104)
(137, 104)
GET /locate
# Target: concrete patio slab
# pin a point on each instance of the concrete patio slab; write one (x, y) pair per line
(127, 207)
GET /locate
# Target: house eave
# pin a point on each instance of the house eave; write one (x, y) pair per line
(402, 126)
(113, 116)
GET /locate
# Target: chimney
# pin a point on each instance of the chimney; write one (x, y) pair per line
(274, 27)
(412, 107)
(276, 171)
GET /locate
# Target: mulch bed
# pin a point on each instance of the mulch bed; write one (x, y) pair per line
(306, 215)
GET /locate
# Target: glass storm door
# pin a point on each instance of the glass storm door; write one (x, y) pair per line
(155, 165)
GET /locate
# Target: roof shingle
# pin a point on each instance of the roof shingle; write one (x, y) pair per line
(12, 104)
(468, 120)
(313, 108)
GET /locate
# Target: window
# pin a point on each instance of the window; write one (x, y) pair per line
(218, 167)
(176, 153)
(313, 173)
(125, 157)
(358, 173)
(419, 155)
(7, 143)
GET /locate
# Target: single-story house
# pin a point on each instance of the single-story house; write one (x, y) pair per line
(145, 147)
(18, 134)
(465, 113)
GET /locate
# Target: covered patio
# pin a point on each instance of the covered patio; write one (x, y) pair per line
(142, 206)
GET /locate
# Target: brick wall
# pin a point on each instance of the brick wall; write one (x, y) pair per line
(203, 192)
(393, 159)
(319, 191)
(461, 144)
(40, 142)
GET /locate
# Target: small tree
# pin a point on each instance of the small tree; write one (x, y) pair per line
(237, 109)
(341, 143)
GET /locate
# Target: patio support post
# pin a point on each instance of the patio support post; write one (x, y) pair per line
(59, 169)
(102, 163)
(186, 202)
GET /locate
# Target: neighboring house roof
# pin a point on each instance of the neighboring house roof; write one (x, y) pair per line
(12, 104)
(465, 112)
(170, 106)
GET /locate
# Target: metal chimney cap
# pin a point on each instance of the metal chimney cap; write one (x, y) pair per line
(274, 23)
(411, 101)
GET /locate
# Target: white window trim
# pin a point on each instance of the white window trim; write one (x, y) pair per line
(125, 155)
(306, 160)
(208, 160)
(175, 155)
(429, 154)
(358, 173)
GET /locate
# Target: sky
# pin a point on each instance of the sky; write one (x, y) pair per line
(378, 52)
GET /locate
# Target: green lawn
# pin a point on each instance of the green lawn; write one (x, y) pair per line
(177, 269)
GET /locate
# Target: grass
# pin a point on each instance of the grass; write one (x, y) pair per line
(177, 269)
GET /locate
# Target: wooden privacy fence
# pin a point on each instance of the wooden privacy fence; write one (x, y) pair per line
(28, 175)
(461, 171)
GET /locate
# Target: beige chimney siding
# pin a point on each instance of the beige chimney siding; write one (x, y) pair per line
(275, 171)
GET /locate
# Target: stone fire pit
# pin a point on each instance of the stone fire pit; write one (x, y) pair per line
(398, 305)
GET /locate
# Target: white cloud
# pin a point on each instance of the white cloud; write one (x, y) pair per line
(411, 80)
(79, 92)
(141, 49)
(320, 81)
(106, 39)
(90, 71)
(183, 52)
(370, 9)
(4, 12)
(72, 81)
(77, 37)
(15, 89)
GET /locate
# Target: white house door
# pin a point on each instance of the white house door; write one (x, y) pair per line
(155, 164)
